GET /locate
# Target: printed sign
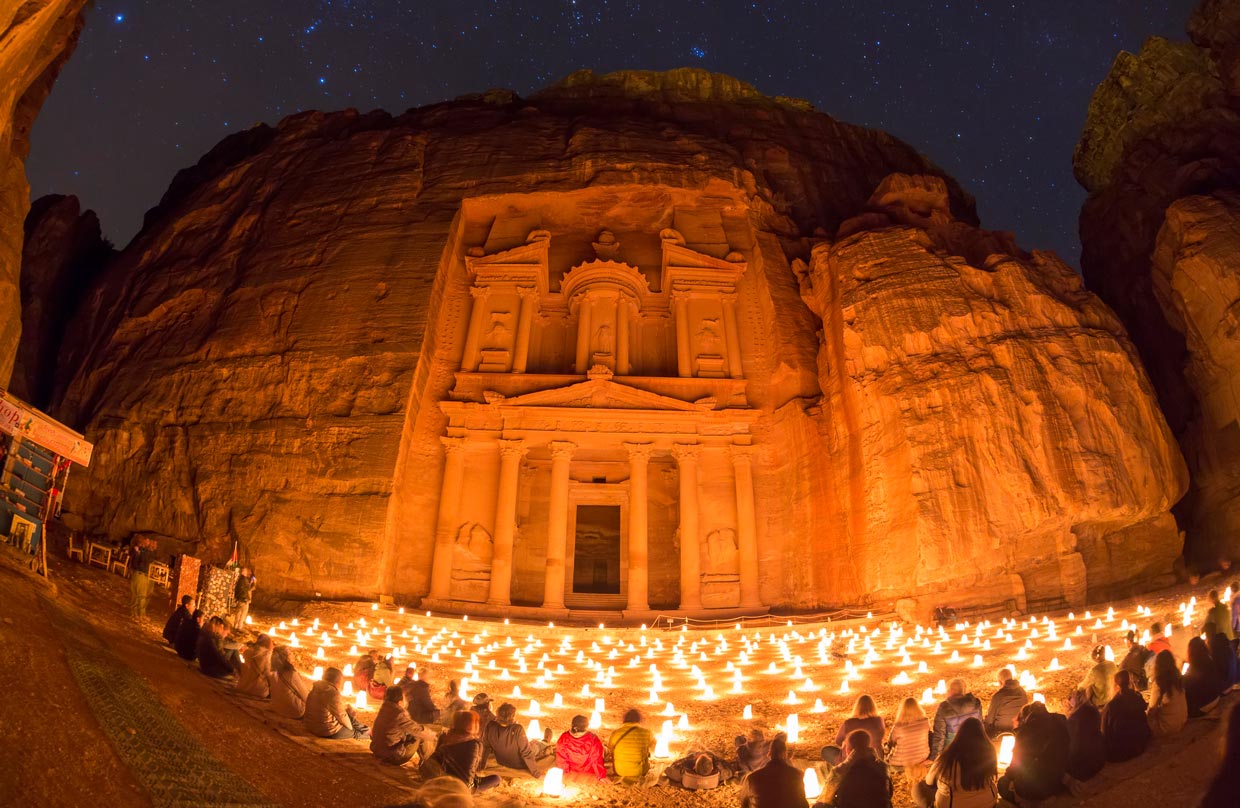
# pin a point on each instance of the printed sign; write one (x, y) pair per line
(18, 418)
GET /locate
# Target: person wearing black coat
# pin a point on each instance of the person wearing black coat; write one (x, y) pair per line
(1040, 758)
(186, 643)
(211, 659)
(863, 780)
(1225, 661)
(778, 784)
(178, 617)
(1202, 683)
(1125, 729)
(1086, 747)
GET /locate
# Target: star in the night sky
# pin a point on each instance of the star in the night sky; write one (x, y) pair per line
(995, 93)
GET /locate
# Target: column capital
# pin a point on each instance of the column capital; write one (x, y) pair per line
(679, 296)
(509, 448)
(562, 449)
(639, 451)
(742, 453)
(527, 292)
(730, 298)
(686, 452)
(480, 292)
(453, 445)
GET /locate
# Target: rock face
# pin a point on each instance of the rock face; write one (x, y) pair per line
(61, 254)
(267, 361)
(983, 407)
(1160, 156)
(36, 37)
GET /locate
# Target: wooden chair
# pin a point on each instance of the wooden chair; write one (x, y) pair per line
(121, 560)
(99, 555)
(76, 548)
(160, 574)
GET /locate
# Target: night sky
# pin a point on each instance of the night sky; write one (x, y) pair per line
(994, 92)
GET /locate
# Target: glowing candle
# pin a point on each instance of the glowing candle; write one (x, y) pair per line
(747, 715)
(813, 788)
(1007, 744)
(553, 782)
(661, 750)
(360, 702)
(534, 730)
(534, 708)
(596, 719)
(348, 688)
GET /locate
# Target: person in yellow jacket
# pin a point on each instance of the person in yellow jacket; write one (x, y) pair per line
(630, 747)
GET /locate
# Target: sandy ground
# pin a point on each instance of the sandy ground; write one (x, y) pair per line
(46, 711)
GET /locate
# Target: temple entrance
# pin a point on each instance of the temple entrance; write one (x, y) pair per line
(596, 550)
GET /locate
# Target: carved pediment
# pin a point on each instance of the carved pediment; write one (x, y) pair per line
(599, 393)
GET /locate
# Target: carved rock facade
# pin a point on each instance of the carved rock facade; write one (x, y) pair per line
(580, 351)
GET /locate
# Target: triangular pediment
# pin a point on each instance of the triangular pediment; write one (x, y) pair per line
(678, 255)
(600, 394)
(533, 252)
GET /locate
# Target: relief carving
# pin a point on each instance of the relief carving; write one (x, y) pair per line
(471, 553)
(721, 562)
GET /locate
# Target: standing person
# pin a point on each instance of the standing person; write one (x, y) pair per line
(1168, 710)
(580, 751)
(909, 742)
(965, 775)
(289, 689)
(954, 711)
(182, 613)
(1040, 757)
(864, 716)
(778, 784)
(1125, 730)
(507, 741)
(255, 679)
(1226, 783)
(243, 591)
(1005, 704)
(1220, 615)
(394, 737)
(327, 716)
(862, 777)
(630, 747)
(1202, 684)
(1100, 680)
(459, 753)
(140, 552)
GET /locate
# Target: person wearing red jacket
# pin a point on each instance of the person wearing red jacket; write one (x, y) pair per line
(580, 751)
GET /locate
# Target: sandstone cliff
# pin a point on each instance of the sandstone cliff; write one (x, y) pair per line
(262, 363)
(1160, 156)
(36, 37)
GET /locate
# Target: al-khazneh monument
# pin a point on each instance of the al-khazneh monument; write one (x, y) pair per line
(645, 342)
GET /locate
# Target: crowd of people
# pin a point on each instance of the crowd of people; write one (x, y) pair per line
(951, 759)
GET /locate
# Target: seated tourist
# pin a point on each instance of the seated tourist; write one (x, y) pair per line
(1040, 757)
(213, 659)
(364, 671)
(482, 706)
(864, 716)
(778, 783)
(1224, 788)
(1168, 710)
(630, 746)
(179, 616)
(418, 700)
(958, 707)
(1125, 730)
(459, 753)
(580, 752)
(965, 774)
(327, 715)
(699, 771)
(862, 780)
(507, 741)
(255, 679)
(186, 643)
(753, 752)
(453, 704)
(1202, 684)
(1225, 661)
(908, 743)
(1086, 748)
(1005, 704)
(394, 737)
(1158, 640)
(1100, 679)
(1135, 661)
(288, 688)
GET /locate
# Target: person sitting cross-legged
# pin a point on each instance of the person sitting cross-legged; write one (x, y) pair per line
(965, 774)
(179, 616)
(507, 741)
(862, 779)
(1125, 730)
(289, 689)
(394, 737)
(213, 659)
(630, 747)
(255, 679)
(186, 643)
(1040, 757)
(327, 716)
(460, 754)
(778, 784)
(952, 712)
(1005, 704)
(580, 752)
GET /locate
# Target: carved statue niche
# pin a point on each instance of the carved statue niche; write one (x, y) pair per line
(721, 562)
(710, 359)
(497, 344)
(471, 553)
(604, 340)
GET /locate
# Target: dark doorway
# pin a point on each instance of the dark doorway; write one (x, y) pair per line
(596, 551)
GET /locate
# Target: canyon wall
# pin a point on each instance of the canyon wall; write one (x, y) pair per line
(941, 414)
(36, 37)
(1160, 157)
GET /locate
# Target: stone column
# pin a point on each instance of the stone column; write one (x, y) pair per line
(733, 337)
(583, 335)
(469, 360)
(525, 322)
(557, 523)
(622, 336)
(449, 504)
(684, 362)
(639, 556)
(690, 549)
(746, 526)
(510, 454)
